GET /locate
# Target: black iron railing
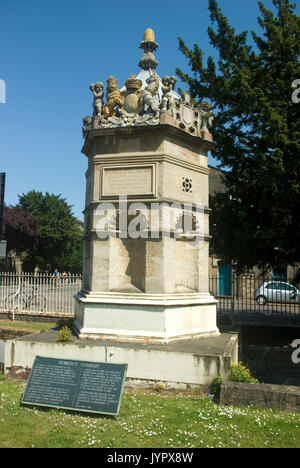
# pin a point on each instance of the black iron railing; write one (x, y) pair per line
(251, 299)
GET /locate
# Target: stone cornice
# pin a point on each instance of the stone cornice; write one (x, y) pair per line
(145, 299)
(160, 129)
(148, 157)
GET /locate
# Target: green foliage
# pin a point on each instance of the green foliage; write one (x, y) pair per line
(217, 386)
(159, 387)
(240, 373)
(64, 335)
(256, 130)
(65, 322)
(30, 327)
(60, 245)
(20, 230)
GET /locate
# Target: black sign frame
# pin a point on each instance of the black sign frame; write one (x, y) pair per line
(72, 385)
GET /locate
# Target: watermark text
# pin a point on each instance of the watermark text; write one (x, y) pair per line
(296, 93)
(296, 353)
(154, 220)
(2, 92)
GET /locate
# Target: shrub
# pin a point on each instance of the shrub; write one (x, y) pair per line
(240, 373)
(159, 387)
(217, 386)
(64, 335)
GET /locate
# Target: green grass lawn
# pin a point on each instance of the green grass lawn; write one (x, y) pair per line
(145, 420)
(30, 327)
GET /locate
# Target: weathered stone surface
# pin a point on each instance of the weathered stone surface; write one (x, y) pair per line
(147, 100)
(2, 347)
(260, 395)
(145, 273)
(179, 365)
(163, 172)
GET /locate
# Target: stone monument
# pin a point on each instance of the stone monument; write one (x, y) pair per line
(145, 298)
(146, 237)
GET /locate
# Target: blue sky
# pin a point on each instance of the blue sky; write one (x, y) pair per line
(52, 50)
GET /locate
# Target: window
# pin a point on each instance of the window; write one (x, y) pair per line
(285, 287)
(280, 275)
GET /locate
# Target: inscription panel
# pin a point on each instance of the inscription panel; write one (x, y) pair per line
(94, 387)
(128, 180)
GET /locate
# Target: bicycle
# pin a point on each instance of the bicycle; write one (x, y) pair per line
(20, 300)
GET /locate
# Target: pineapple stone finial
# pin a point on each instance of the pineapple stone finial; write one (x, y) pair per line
(148, 44)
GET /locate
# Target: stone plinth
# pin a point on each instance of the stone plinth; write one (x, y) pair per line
(146, 317)
(178, 365)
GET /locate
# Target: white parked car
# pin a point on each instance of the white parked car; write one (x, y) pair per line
(276, 291)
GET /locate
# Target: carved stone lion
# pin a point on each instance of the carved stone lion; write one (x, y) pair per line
(114, 98)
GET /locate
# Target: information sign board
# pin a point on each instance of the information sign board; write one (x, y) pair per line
(94, 387)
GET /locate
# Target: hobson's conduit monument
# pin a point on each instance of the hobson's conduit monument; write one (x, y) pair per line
(146, 239)
(145, 299)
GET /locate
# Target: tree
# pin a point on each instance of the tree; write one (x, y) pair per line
(20, 230)
(60, 244)
(256, 131)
